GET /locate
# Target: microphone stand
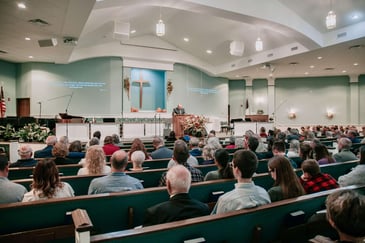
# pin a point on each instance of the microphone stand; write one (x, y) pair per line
(68, 120)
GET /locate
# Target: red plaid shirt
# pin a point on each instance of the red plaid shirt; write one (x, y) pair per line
(320, 182)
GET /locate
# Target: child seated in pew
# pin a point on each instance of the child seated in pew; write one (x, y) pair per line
(47, 184)
(94, 162)
(313, 180)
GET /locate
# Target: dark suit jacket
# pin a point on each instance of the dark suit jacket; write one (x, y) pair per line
(179, 207)
(44, 153)
(24, 163)
(179, 111)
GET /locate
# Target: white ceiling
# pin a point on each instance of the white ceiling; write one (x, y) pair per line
(293, 31)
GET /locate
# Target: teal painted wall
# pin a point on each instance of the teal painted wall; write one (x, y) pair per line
(237, 98)
(362, 99)
(259, 91)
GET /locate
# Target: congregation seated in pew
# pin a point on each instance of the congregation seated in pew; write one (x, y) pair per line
(356, 176)
(138, 145)
(25, 152)
(137, 159)
(60, 153)
(221, 160)
(46, 152)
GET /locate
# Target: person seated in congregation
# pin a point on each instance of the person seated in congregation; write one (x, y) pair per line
(344, 154)
(356, 176)
(322, 155)
(194, 147)
(313, 180)
(118, 180)
(47, 151)
(192, 161)
(137, 158)
(221, 160)
(278, 149)
(109, 147)
(208, 155)
(171, 137)
(138, 145)
(180, 156)
(60, 153)
(353, 136)
(10, 191)
(64, 139)
(180, 205)
(161, 151)
(25, 153)
(253, 143)
(287, 184)
(293, 151)
(116, 140)
(346, 214)
(75, 150)
(246, 194)
(305, 151)
(94, 162)
(263, 133)
(232, 143)
(186, 136)
(179, 110)
(47, 184)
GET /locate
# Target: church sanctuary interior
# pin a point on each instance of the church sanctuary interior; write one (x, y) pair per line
(164, 70)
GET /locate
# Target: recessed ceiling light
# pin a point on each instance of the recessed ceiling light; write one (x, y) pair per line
(311, 66)
(21, 5)
(133, 31)
(356, 64)
(186, 39)
(344, 71)
(306, 73)
(355, 16)
(30, 56)
(319, 58)
(209, 51)
(27, 38)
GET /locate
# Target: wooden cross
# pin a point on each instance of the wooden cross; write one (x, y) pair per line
(141, 81)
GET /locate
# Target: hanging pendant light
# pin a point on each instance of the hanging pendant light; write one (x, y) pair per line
(160, 27)
(331, 18)
(259, 45)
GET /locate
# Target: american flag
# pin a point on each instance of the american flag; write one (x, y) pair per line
(2, 102)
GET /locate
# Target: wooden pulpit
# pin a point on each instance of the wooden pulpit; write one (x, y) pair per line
(178, 124)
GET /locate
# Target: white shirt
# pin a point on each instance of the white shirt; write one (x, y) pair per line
(65, 191)
(85, 171)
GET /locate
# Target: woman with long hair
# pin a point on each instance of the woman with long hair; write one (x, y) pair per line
(94, 162)
(47, 184)
(287, 184)
(221, 160)
(137, 144)
(322, 155)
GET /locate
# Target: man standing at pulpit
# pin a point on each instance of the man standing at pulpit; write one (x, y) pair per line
(179, 110)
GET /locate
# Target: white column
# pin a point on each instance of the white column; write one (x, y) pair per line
(354, 112)
(249, 97)
(271, 97)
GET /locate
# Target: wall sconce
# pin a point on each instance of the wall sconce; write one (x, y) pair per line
(292, 115)
(329, 114)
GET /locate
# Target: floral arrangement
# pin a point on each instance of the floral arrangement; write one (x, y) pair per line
(33, 132)
(195, 125)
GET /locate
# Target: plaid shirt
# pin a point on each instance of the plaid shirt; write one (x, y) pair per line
(196, 175)
(320, 182)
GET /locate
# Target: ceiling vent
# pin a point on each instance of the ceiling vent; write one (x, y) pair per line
(270, 55)
(39, 22)
(294, 48)
(72, 41)
(329, 69)
(340, 35)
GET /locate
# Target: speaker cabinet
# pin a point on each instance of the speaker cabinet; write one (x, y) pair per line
(47, 42)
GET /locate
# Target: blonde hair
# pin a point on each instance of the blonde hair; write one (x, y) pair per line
(95, 159)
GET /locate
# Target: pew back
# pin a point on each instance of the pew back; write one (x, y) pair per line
(240, 226)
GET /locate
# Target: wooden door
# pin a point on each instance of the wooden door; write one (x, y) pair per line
(23, 107)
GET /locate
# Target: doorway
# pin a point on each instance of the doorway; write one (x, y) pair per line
(23, 107)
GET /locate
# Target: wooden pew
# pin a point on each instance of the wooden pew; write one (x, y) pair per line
(110, 211)
(149, 178)
(27, 172)
(262, 224)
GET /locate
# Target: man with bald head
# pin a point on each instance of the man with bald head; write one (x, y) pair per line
(181, 205)
(25, 152)
(118, 180)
